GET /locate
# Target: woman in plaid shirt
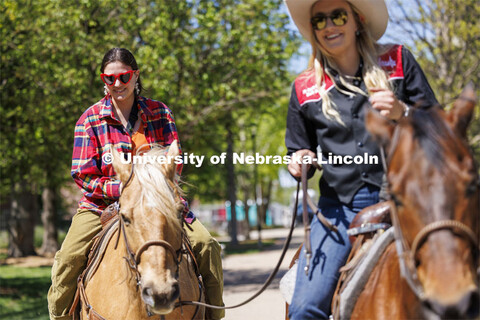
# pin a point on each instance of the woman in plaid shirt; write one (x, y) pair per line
(122, 120)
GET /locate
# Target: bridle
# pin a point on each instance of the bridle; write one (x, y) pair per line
(133, 259)
(407, 254)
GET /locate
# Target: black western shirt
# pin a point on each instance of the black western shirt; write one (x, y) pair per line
(307, 126)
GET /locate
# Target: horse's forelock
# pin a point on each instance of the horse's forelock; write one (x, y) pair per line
(155, 189)
(433, 134)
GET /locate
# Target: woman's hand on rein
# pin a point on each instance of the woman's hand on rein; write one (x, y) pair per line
(295, 168)
(387, 103)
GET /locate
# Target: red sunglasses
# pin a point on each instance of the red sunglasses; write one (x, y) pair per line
(110, 79)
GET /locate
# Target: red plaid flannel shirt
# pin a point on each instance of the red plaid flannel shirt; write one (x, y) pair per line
(97, 131)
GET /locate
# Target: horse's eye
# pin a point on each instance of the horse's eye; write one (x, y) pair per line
(397, 201)
(126, 220)
(472, 187)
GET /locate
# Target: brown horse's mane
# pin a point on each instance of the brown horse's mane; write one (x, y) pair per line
(433, 135)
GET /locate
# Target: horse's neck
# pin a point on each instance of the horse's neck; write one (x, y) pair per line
(386, 293)
(114, 282)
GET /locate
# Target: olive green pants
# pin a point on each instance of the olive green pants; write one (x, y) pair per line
(71, 259)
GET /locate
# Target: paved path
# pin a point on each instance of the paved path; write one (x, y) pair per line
(244, 274)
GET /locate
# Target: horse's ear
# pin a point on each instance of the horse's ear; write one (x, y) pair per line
(461, 114)
(122, 169)
(380, 127)
(172, 153)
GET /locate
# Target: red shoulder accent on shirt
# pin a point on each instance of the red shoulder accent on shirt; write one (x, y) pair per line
(306, 87)
(391, 62)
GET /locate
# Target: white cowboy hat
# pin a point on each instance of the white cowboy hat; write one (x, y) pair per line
(374, 11)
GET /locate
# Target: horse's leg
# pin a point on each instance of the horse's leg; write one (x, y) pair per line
(386, 295)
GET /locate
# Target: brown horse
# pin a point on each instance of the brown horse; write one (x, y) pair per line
(143, 276)
(434, 184)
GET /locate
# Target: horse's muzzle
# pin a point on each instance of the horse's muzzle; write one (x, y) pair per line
(160, 302)
(466, 308)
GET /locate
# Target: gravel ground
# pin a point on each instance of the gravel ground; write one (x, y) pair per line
(244, 274)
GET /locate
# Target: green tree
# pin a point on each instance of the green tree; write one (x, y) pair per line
(212, 62)
(223, 61)
(49, 68)
(446, 35)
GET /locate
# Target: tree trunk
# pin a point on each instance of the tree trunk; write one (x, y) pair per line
(231, 189)
(49, 215)
(266, 193)
(247, 208)
(21, 223)
(256, 191)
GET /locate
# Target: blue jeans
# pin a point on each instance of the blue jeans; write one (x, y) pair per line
(313, 294)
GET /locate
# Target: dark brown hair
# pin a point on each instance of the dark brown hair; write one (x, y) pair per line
(124, 56)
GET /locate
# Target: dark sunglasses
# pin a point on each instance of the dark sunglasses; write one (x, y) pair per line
(339, 18)
(110, 79)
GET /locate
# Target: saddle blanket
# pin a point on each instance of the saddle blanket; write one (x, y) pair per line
(355, 286)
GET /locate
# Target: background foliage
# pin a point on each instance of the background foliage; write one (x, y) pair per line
(209, 61)
(222, 67)
(446, 41)
(219, 65)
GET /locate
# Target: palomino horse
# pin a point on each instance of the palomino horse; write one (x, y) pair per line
(143, 275)
(435, 208)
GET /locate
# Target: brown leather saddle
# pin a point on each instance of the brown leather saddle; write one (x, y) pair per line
(369, 220)
(365, 228)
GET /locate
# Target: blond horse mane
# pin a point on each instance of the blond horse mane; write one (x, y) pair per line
(156, 191)
(156, 197)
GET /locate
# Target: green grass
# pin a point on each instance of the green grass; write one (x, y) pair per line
(23, 293)
(38, 237)
(3, 239)
(249, 246)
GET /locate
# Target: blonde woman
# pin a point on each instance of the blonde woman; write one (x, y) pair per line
(348, 73)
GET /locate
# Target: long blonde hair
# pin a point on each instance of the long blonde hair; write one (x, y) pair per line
(373, 75)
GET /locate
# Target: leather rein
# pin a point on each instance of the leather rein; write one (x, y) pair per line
(270, 277)
(307, 201)
(133, 259)
(407, 254)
